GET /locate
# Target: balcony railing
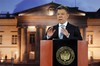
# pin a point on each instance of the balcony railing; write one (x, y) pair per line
(5, 16)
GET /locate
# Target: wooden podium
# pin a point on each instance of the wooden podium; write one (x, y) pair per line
(46, 53)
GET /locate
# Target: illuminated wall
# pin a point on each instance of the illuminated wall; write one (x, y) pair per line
(93, 38)
(8, 39)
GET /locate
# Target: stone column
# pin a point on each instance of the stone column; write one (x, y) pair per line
(43, 30)
(24, 44)
(84, 33)
(26, 53)
(37, 47)
(19, 40)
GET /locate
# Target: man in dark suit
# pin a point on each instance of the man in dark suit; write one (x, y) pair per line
(63, 30)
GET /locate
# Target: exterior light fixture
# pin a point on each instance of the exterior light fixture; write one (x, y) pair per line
(51, 10)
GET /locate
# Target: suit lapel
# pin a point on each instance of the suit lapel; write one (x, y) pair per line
(67, 27)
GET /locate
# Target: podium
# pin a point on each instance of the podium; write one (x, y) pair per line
(70, 54)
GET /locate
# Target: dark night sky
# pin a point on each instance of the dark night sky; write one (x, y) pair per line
(14, 6)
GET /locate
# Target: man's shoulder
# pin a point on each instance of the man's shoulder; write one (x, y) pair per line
(55, 26)
(71, 25)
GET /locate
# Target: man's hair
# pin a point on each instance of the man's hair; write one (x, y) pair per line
(62, 7)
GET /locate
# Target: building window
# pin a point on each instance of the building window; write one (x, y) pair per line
(0, 39)
(14, 39)
(32, 38)
(90, 37)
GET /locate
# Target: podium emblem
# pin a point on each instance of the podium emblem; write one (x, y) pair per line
(65, 55)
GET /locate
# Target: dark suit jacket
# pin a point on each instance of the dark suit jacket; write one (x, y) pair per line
(73, 30)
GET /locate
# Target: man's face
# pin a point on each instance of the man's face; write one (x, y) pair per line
(62, 15)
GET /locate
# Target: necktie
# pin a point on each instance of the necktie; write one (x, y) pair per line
(61, 34)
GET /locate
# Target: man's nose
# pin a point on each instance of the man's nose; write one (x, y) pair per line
(60, 16)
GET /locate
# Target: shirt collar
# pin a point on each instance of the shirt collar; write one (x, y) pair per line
(65, 24)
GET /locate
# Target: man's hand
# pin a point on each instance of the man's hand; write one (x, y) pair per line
(50, 32)
(65, 32)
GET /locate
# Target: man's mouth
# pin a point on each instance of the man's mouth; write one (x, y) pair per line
(60, 18)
